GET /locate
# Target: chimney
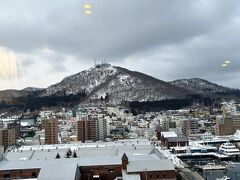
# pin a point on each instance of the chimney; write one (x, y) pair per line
(124, 161)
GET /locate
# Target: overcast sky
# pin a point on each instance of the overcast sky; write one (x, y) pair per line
(168, 39)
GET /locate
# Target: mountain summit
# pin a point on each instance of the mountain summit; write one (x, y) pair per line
(199, 86)
(117, 83)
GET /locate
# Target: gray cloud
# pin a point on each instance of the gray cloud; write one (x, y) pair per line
(27, 62)
(168, 39)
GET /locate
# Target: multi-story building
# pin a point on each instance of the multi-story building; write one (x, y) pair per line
(190, 127)
(16, 126)
(164, 120)
(51, 131)
(9, 135)
(236, 122)
(86, 129)
(227, 126)
(219, 121)
(91, 127)
(149, 133)
(207, 136)
(101, 127)
(228, 108)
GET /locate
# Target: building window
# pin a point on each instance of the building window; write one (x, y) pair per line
(111, 170)
(6, 175)
(34, 174)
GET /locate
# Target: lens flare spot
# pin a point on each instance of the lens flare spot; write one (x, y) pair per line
(227, 62)
(88, 12)
(8, 64)
(87, 6)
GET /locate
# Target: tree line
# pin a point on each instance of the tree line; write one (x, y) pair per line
(169, 104)
(33, 102)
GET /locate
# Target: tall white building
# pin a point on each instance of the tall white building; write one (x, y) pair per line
(101, 127)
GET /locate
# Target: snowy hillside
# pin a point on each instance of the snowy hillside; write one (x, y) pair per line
(84, 81)
(120, 84)
(198, 85)
(117, 84)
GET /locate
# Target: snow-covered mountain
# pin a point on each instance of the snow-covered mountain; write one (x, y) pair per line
(199, 86)
(117, 83)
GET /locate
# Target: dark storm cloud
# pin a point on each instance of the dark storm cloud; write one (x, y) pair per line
(115, 29)
(168, 39)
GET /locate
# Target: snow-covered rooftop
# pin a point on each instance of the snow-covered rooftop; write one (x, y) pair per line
(167, 134)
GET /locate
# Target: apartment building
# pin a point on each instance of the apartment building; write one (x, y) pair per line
(51, 131)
